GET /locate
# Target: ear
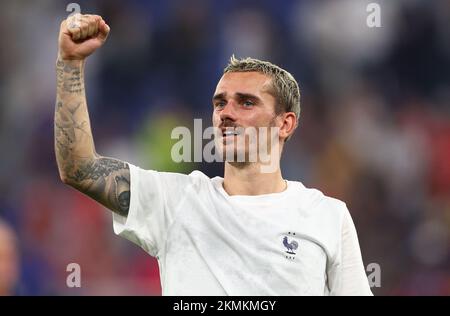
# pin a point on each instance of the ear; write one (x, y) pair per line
(288, 125)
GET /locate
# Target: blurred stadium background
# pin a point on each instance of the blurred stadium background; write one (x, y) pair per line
(374, 131)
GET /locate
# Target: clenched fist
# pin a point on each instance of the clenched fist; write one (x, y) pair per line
(80, 35)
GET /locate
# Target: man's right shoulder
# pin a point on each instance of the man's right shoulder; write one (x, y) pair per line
(195, 177)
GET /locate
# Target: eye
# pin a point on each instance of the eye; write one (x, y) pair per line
(219, 104)
(248, 103)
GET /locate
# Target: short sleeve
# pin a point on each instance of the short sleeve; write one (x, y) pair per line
(347, 276)
(154, 200)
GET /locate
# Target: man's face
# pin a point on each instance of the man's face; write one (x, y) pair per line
(242, 100)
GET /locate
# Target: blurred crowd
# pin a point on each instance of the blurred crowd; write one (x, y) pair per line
(374, 129)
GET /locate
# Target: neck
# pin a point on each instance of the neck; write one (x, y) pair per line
(248, 179)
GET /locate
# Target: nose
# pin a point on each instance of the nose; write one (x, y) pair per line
(228, 112)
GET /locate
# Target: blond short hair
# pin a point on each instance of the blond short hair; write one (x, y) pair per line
(284, 86)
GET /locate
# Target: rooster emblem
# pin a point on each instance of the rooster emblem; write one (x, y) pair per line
(290, 246)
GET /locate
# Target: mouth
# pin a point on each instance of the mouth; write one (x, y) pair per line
(229, 133)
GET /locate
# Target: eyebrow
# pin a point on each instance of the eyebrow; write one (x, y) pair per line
(240, 95)
(219, 96)
(247, 96)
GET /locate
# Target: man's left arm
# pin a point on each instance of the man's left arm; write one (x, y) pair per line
(353, 278)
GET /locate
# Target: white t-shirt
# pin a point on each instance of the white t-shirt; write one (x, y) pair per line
(297, 242)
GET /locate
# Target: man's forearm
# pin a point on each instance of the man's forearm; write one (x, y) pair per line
(74, 143)
(106, 180)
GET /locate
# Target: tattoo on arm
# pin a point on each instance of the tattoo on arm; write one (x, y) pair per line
(69, 133)
(72, 84)
(106, 180)
(123, 192)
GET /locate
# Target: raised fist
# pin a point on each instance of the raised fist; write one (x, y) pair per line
(80, 35)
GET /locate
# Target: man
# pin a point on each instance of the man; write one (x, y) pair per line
(9, 260)
(248, 233)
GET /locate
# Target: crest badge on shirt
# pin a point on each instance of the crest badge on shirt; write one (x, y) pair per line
(290, 245)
